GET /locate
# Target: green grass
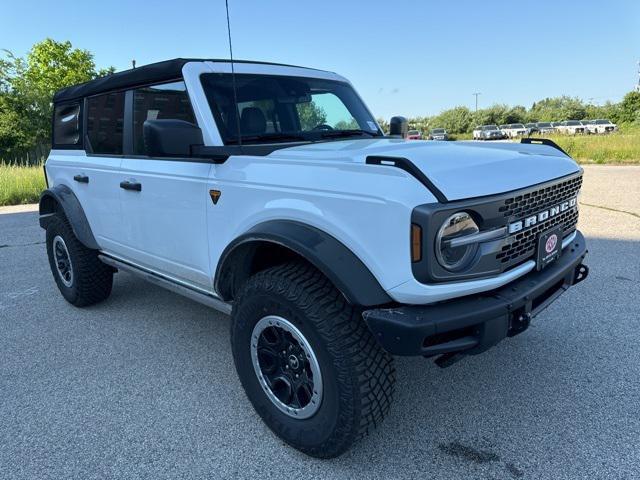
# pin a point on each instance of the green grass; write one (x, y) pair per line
(19, 185)
(619, 148)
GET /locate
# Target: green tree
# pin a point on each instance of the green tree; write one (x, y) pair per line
(347, 125)
(558, 108)
(27, 87)
(630, 108)
(455, 120)
(384, 124)
(311, 115)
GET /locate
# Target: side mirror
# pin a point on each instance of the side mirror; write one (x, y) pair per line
(398, 127)
(170, 138)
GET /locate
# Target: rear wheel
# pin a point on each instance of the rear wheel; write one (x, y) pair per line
(81, 277)
(309, 365)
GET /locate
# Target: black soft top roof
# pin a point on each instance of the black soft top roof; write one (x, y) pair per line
(152, 73)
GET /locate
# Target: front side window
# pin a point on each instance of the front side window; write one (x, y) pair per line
(275, 109)
(158, 102)
(105, 120)
(66, 125)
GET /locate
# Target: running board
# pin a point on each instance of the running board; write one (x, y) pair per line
(202, 297)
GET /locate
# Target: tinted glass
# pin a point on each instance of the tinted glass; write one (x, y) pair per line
(105, 119)
(572, 122)
(603, 122)
(158, 102)
(273, 108)
(437, 130)
(66, 124)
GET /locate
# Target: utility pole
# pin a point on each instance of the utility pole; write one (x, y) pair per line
(476, 95)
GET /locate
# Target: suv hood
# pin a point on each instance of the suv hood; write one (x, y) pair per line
(459, 170)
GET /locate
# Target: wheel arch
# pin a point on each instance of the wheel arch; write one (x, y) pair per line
(273, 242)
(61, 198)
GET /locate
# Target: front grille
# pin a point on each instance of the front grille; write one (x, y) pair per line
(539, 200)
(523, 243)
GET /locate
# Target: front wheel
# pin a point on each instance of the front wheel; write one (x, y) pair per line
(309, 365)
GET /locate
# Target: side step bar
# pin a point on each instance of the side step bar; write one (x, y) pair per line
(200, 296)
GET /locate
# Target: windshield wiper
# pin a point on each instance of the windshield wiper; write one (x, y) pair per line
(347, 133)
(272, 137)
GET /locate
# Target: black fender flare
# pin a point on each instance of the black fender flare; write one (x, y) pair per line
(62, 196)
(330, 256)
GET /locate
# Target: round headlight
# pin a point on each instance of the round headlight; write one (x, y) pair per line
(450, 256)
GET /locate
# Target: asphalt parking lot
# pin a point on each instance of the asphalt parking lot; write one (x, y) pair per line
(143, 385)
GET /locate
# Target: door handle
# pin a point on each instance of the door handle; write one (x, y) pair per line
(81, 178)
(136, 187)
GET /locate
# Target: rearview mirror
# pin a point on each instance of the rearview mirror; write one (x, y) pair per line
(295, 99)
(170, 138)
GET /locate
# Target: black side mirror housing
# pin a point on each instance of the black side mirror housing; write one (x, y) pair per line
(170, 138)
(398, 127)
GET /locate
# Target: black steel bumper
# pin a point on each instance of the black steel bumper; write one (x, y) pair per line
(472, 324)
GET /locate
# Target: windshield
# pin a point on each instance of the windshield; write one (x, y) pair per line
(544, 124)
(572, 122)
(517, 125)
(490, 127)
(276, 109)
(437, 130)
(603, 122)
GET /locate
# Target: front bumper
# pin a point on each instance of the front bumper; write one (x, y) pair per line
(472, 324)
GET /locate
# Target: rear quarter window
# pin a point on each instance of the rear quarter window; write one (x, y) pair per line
(66, 125)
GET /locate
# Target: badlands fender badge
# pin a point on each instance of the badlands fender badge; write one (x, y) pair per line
(549, 247)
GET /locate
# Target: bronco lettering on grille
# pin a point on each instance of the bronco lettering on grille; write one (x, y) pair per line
(542, 216)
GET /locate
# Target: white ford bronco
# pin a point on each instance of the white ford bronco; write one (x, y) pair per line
(270, 193)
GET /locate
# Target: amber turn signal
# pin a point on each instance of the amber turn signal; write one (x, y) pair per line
(416, 243)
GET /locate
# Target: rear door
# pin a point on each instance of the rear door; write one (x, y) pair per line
(164, 200)
(86, 156)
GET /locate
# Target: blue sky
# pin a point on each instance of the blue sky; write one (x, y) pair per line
(404, 57)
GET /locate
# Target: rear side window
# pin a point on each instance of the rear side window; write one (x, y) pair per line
(158, 102)
(105, 121)
(66, 125)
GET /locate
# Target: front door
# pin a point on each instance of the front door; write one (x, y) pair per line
(164, 201)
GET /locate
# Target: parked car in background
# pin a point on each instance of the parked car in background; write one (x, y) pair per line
(572, 127)
(438, 134)
(602, 126)
(532, 128)
(514, 130)
(414, 135)
(588, 124)
(488, 132)
(545, 128)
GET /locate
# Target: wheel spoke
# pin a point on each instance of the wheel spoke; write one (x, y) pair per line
(269, 360)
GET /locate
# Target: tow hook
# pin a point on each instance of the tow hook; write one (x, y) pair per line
(581, 272)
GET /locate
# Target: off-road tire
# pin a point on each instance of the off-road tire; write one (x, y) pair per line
(358, 375)
(92, 279)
